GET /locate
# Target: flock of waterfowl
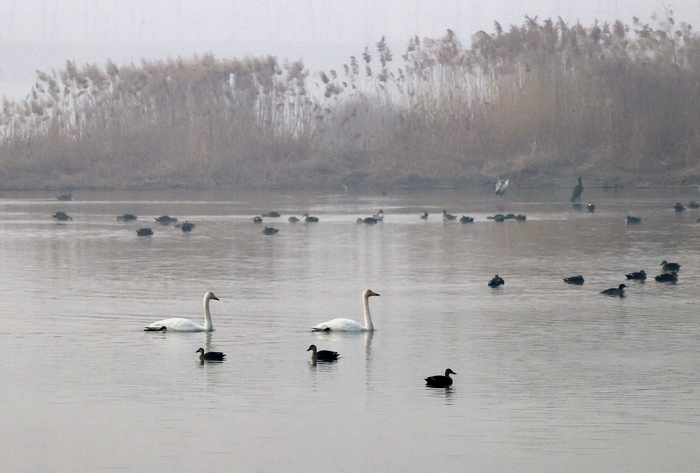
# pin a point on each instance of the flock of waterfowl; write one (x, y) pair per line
(669, 274)
(177, 324)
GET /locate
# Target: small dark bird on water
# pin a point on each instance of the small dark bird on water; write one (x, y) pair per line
(629, 220)
(293, 219)
(210, 355)
(693, 205)
(269, 231)
(322, 355)
(446, 216)
(667, 277)
(62, 216)
(666, 266)
(440, 381)
(257, 219)
(520, 218)
(166, 219)
(574, 280)
(187, 226)
(144, 232)
(678, 207)
(465, 219)
(310, 218)
(496, 281)
(272, 214)
(615, 291)
(424, 215)
(640, 275)
(578, 190)
(127, 217)
(591, 207)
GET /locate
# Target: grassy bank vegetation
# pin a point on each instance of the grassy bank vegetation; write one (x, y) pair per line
(539, 102)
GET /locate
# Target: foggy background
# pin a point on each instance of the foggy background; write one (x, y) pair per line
(43, 34)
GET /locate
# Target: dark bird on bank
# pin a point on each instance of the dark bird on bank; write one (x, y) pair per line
(144, 232)
(630, 220)
(678, 207)
(639, 275)
(615, 291)
(496, 281)
(187, 226)
(309, 218)
(62, 216)
(497, 218)
(424, 215)
(666, 266)
(520, 218)
(465, 219)
(322, 355)
(293, 219)
(667, 277)
(272, 214)
(591, 207)
(65, 197)
(574, 280)
(210, 355)
(257, 219)
(269, 231)
(693, 205)
(440, 381)
(509, 216)
(127, 217)
(166, 219)
(578, 190)
(446, 217)
(501, 186)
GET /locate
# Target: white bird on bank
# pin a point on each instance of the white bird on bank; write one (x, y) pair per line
(501, 187)
(347, 325)
(186, 325)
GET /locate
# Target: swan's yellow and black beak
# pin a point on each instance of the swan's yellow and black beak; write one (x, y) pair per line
(214, 297)
(372, 293)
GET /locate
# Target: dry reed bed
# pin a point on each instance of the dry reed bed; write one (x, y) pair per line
(540, 101)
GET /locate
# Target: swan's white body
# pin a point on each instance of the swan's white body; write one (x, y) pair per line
(177, 324)
(347, 325)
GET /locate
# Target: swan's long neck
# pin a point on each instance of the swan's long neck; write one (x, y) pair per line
(368, 316)
(207, 316)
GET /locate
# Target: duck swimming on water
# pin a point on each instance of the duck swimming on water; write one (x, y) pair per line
(210, 355)
(666, 266)
(639, 275)
(615, 291)
(322, 355)
(578, 280)
(446, 217)
(440, 381)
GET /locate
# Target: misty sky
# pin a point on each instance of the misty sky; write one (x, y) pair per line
(43, 34)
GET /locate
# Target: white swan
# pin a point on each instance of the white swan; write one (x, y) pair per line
(347, 325)
(186, 325)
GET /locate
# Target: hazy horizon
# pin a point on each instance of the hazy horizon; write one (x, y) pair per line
(43, 34)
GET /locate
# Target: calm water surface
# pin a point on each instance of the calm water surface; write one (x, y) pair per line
(550, 377)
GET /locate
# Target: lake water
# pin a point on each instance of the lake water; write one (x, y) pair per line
(550, 377)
